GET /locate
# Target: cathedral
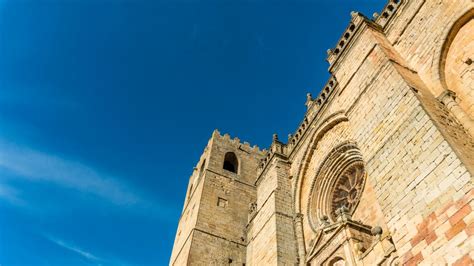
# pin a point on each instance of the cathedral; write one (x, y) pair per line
(380, 170)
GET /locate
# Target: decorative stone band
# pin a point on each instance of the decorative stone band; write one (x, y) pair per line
(339, 182)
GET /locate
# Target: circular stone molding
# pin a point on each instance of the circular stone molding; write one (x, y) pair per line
(339, 181)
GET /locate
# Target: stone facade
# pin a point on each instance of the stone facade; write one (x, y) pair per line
(380, 170)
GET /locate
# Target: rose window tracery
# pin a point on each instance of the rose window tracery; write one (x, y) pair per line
(339, 182)
(347, 189)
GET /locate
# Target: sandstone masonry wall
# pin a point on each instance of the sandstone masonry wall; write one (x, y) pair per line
(394, 126)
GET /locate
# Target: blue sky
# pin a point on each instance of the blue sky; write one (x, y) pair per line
(106, 106)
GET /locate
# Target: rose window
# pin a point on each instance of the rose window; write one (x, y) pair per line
(347, 189)
(339, 182)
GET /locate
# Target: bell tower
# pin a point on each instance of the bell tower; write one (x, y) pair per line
(221, 188)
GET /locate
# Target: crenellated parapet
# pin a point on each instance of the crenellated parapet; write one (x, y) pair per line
(387, 13)
(237, 142)
(345, 40)
(226, 140)
(379, 22)
(314, 105)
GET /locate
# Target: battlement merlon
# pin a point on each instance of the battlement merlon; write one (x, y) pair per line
(216, 135)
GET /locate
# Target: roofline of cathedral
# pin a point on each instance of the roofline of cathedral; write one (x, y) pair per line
(315, 105)
(352, 32)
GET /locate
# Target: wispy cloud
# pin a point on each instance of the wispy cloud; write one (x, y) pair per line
(42, 167)
(93, 258)
(10, 194)
(75, 249)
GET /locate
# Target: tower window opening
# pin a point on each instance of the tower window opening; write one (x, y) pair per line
(230, 162)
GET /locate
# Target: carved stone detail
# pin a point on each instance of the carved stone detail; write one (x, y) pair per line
(252, 210)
